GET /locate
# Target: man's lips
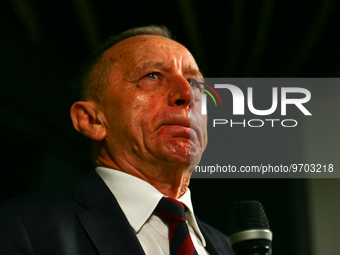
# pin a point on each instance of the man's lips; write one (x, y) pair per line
(174, 119)
(177, 125)
(176, 130)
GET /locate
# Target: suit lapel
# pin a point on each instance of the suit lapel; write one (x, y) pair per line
(103, 220)
(213, 243)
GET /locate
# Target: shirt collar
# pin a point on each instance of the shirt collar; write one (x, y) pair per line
(138, 199)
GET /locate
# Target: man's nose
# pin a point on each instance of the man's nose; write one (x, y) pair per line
(180, 93)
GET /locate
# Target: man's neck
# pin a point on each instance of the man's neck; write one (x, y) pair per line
(171, 182)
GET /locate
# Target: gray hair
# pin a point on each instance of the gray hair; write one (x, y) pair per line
(93, 74)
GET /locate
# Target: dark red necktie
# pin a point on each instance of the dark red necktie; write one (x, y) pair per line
(172, 212)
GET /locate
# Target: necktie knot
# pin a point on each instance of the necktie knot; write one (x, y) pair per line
(170, 210)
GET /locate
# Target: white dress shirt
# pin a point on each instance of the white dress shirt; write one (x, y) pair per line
(138, 200)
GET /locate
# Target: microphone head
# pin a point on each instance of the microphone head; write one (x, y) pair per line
(246, 215)
(249, 231)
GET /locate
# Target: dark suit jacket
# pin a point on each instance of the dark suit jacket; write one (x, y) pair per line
(85, 220)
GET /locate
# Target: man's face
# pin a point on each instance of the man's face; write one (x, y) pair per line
(151, 112)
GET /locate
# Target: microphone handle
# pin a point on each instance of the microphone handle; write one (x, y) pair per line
(253, 247)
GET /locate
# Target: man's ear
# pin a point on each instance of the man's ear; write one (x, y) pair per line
(87, 120)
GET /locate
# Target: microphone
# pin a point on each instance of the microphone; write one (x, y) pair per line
(249, 232)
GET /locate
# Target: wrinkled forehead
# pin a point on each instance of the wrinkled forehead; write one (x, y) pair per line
(140, 48)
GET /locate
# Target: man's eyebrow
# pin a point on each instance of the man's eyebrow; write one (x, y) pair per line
(137, 71)
(146, 65)
(194, 71)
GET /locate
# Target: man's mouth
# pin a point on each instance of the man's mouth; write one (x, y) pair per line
(176, 130)
(178, 125)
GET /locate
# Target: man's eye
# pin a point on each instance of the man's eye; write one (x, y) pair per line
(152, 75)
(194, 83)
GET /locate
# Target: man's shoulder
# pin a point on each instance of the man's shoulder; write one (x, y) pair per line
(44, 221)
(58, 200)
(39, 207)
(39, 199)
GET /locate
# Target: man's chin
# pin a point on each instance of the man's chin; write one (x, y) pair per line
(173, 153)
(180, 155)
(178, 151)
(185, 156)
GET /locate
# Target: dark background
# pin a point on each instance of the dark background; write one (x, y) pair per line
(43, 43)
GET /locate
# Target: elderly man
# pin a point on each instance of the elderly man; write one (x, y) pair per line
(137, 106)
